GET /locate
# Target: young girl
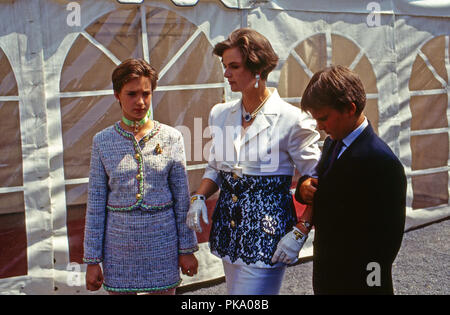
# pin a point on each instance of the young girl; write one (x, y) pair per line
(138, 196)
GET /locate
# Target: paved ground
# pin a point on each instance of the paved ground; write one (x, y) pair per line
(422, 267)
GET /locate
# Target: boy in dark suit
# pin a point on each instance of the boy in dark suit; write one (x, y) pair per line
(359, 196)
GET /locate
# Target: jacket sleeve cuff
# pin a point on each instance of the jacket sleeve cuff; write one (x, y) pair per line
(188, 250)
(92, 261)
(213, 175)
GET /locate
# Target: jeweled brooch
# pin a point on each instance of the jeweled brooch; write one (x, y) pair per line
(158, 149)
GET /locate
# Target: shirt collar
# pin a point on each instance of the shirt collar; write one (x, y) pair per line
(355, 133)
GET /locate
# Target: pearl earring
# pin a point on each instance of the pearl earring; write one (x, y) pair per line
(257, 81)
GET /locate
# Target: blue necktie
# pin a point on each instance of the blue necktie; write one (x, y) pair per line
(334, 155)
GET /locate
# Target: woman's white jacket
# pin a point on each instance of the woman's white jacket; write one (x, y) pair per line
(280, 138)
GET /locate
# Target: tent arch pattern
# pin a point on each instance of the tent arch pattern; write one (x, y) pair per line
(13, 259)
(179, 51)
(319, 51)
(429, 91)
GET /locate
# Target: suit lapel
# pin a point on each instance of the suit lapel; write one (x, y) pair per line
(359, 143)
(352, 150)
(234, 115)
(326, 152)
(233, 121)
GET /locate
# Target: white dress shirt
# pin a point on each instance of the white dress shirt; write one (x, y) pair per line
(347, 141)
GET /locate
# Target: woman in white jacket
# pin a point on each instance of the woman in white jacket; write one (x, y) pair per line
(257, 141)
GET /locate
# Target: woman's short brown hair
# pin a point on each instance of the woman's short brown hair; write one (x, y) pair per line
(335, 87)
(257, 52)
(131, 69)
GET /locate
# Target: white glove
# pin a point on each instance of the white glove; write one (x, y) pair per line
(197, 206)
(289, 247)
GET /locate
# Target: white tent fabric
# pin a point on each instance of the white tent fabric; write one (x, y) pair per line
(56, 58)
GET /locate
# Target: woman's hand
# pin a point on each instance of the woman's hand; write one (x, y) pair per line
(198, 205)
(94, 277)
(288, 248)
(197, 208)
(188, 264)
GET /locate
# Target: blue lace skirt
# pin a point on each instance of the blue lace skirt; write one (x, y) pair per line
(252, 214)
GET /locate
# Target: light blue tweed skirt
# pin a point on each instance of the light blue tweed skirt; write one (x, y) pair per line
(140, 251)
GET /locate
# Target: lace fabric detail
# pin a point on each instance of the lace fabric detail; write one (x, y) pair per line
(252, 214)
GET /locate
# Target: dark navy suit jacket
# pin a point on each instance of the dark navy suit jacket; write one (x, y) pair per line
(359, 217)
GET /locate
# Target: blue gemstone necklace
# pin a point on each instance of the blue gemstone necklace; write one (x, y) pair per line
(249, 116)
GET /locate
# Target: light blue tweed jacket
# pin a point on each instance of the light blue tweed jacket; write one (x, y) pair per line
(126, 175)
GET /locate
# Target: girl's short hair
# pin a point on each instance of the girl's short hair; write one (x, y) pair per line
(132, 69)
(257, 52)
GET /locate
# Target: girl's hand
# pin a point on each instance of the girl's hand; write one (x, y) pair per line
(94, 277)
(188, 264)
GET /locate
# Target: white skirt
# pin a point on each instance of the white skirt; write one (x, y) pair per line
(251, 280)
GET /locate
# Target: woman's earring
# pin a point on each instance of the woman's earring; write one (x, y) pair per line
(257, 81)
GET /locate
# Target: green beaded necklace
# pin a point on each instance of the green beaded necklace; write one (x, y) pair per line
(137, 124)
